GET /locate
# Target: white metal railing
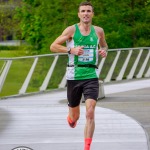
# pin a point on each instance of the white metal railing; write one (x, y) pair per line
(134, 71)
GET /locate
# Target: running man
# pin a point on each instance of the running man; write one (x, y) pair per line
(84, 42)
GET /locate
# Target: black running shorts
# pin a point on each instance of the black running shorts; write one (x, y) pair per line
(75, 88)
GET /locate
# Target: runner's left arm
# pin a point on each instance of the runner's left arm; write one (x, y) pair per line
(103, 44)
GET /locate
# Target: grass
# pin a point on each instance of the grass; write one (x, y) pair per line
(12, 53)
(19, 70)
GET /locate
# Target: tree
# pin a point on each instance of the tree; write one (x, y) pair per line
(42, 21)
(125, 22)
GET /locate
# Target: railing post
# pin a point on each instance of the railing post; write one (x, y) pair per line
(112, 68)
(130, 76)
(4, 73)
(49, 74)
(139, 75)
(27, 80)
(123, 69)
(101, 65)
(147, 73)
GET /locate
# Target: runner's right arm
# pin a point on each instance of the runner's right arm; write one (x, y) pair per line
(57, 45)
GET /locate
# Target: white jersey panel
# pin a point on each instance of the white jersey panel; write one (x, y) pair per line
(70, 70)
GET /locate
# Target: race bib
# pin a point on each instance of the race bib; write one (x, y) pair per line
(87, 56)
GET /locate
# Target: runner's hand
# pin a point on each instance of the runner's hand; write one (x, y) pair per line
(103, 53)
(77, 50)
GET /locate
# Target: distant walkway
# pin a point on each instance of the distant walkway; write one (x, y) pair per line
(39, 121)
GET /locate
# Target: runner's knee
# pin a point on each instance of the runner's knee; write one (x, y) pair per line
(90, 113)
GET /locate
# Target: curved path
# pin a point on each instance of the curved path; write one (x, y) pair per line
(39, 122)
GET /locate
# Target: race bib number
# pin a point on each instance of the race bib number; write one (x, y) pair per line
(87, 56)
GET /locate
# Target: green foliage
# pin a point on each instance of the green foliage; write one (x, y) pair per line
(126, 23)
(8, 47)
(9, 27)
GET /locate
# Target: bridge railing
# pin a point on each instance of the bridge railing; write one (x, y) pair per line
(22, 75)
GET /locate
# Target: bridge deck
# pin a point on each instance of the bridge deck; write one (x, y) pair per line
(39, 121)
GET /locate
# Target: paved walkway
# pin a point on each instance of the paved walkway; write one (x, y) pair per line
(39, 121)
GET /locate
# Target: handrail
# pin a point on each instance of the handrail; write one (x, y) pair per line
(35, 56)
(139, 68)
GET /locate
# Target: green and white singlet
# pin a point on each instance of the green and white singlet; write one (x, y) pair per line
(90, 56)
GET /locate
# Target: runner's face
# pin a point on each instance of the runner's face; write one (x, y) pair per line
(85, 14)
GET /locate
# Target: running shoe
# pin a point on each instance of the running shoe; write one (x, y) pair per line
(71, 124)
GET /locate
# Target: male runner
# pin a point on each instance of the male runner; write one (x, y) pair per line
(84, 43)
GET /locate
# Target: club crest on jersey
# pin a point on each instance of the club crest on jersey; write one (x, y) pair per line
(91, 39)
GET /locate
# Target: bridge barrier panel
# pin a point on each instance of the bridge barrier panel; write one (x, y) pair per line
(108, 69)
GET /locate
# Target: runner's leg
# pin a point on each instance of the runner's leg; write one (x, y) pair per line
(90, 122)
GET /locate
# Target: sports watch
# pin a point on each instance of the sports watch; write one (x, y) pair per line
(69, 50)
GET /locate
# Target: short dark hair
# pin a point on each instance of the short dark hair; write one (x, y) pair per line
(86, 4)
